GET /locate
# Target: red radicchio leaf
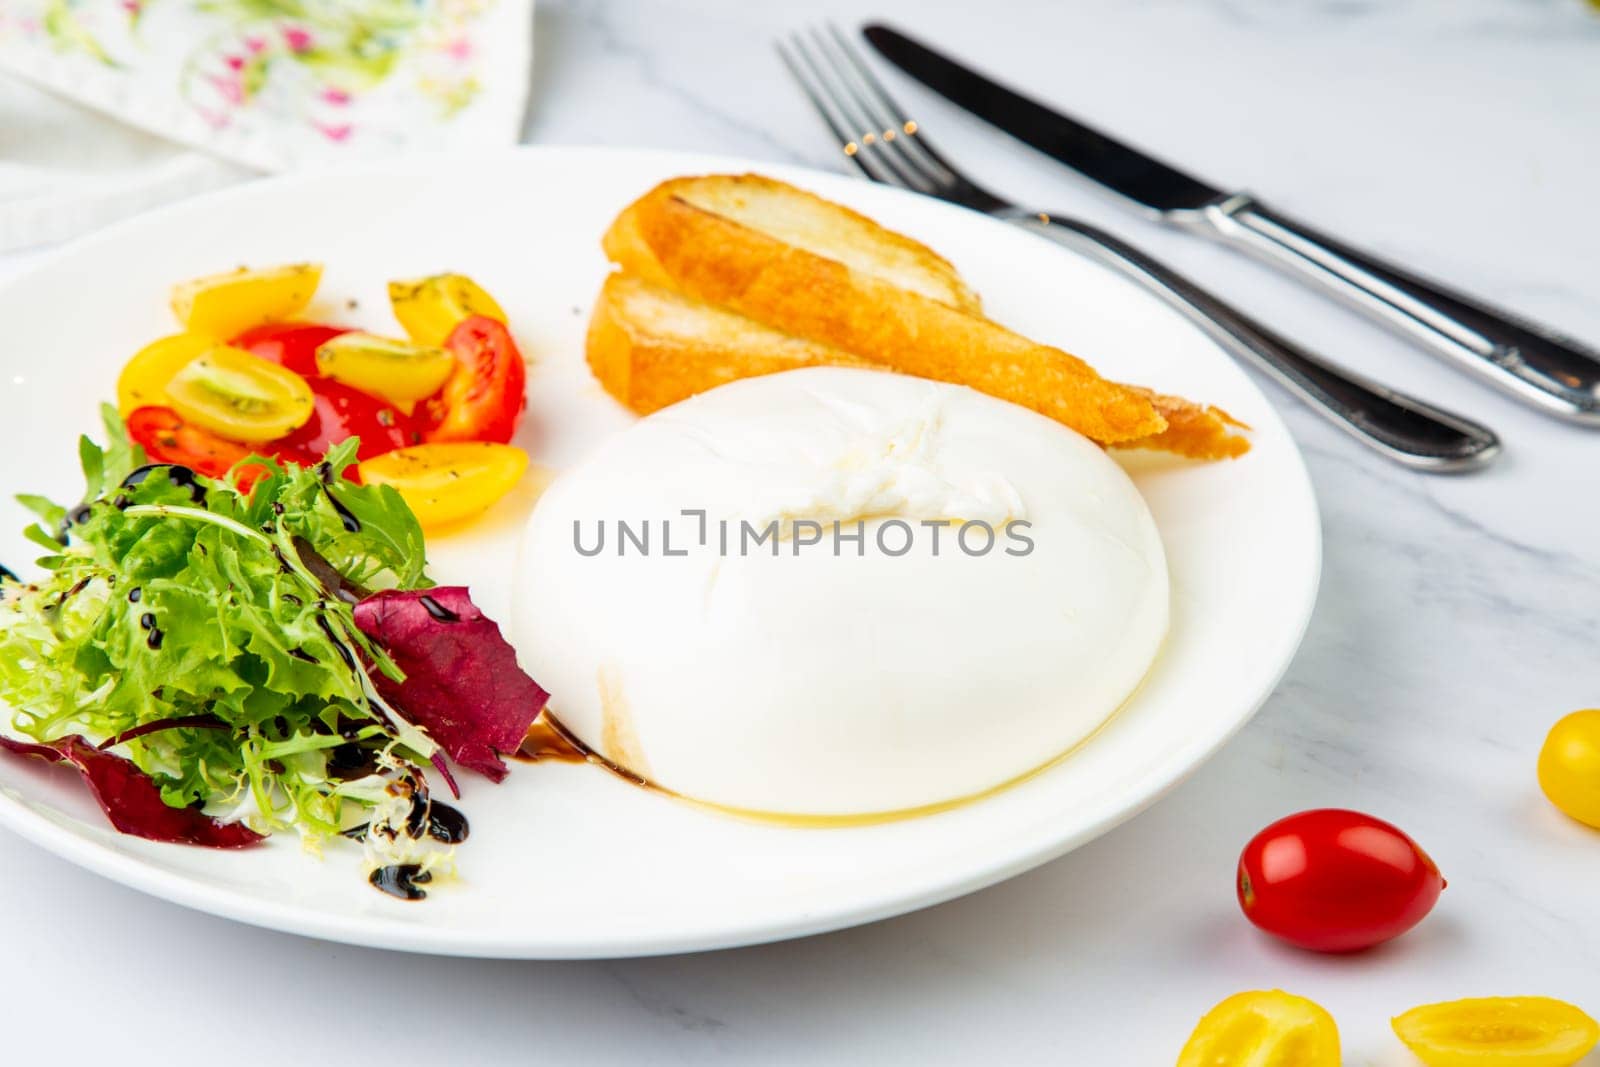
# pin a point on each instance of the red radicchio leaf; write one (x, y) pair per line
(131, 800)
(437, 759)
(462, 683)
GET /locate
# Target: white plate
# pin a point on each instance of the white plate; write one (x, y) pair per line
(567, 861)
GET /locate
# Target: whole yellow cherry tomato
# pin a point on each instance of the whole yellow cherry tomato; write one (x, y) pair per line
(222, 305)
(143, 381)
(1569, 766)
(429, 308)
(397, 371)
(1264, 1028)
(1513, 1031)
(447, 482)
(240, 396)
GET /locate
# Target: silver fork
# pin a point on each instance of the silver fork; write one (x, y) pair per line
(888, 146)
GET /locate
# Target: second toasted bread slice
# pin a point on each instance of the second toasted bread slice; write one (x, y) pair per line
(650, 346)
(812, 291)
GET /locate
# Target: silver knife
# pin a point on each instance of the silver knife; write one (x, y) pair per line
(1553, 372)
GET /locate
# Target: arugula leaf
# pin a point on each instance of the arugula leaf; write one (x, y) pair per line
(122, 455)
(43, 507)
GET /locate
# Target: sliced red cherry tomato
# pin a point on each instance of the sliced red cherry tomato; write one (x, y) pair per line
(167, 438)
(1336, 881)
(484, 397)
(339, 411)
(292, 345)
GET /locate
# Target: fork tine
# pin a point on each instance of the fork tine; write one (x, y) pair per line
(788, 52)
(848, 99)
(884, 113)
(803, 68)
(898, 116)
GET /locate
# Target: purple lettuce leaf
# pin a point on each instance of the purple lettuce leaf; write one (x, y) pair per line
(131, 800)
(462, 683)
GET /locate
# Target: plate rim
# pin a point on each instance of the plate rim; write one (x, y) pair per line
(376, 931)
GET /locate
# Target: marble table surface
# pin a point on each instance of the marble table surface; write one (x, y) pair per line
(1459, 617)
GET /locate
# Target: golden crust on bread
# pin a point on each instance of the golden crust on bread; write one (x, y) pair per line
(804, 221)
(1195, 431)
(715, 259)
(650, 346)
(624, 245)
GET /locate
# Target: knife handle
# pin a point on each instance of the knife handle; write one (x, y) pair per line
(1542, 367)
(1401, 427)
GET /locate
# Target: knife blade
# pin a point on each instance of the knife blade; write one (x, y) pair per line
(1123, 169)
(1535, 364)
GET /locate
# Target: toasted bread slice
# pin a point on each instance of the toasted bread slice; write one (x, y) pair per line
(651, 347)
(1195, 431)
(624, 245)
(800, 220)
(811, 295)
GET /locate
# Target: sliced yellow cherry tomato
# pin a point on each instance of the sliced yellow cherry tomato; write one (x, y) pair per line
(143, 381)
(1569, 766)
(429, 308)
(450, 481)
(398, 371)
(1509, 1031)
(239, 396)
(1263, 1028)
(222, 305)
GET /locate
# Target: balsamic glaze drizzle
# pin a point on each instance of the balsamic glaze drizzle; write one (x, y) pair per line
(447, 824)
(179, 475)
(343, 649)
(346, 516)
(72, 518)
(401, 881)
(350, 760)
(436, 819)
(439, 612)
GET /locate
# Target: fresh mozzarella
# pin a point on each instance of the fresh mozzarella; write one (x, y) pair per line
(811, 672)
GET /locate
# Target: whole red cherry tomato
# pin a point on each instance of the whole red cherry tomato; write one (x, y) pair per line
(1335, 881)
(485, 395)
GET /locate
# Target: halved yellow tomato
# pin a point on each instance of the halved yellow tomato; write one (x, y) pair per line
(1569, 766)
(398, 371)
(222, 305)
(429, 308)
(143, 381)
(239, 396)
(1264, 1028)
(447, 482)
(1513, 1031)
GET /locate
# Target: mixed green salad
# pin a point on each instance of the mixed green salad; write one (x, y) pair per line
(219, 664)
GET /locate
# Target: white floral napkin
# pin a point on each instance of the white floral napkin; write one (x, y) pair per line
(249, 85)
